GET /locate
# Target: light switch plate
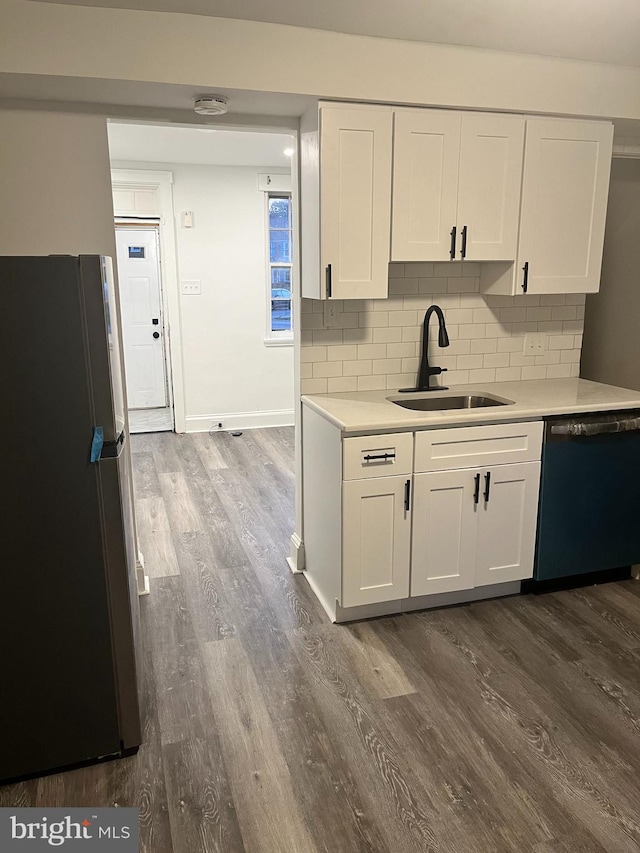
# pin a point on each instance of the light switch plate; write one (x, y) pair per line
(535, 343)
(190, 288)
(330, 315)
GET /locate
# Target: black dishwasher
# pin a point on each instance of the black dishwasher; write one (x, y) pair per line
(589, 513)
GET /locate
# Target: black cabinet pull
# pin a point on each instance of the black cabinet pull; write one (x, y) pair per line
(487, 485)
(156, 335)
(384, 456)
(452, 250)
(476, 491)
(525, 279)
(328, 280)
(463, 250)
(407, 496)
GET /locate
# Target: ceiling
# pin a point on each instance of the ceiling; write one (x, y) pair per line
(592, 30)
(160, 144)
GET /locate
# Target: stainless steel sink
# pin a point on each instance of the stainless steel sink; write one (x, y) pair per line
(442, 402)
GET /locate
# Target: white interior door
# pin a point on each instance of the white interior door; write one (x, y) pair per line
(142, 325)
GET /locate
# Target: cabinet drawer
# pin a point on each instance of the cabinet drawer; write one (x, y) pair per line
(377, 455)
(470, 447)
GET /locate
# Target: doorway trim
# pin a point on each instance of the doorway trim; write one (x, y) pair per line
(162, 182)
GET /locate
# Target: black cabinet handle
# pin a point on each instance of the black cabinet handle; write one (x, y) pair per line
(452, 249)
(156, 335)
(525, 279)
(487, 485)
(476, 491)
(407, 496)
(328, 280)
(384, 456)
(155, 321)
(463, 250)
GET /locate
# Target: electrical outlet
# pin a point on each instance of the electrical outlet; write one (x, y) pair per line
(535, 343)
(330, 315)
(190, 288)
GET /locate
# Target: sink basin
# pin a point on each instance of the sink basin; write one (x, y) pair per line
(431, 403)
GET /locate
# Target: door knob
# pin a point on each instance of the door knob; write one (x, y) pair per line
(156, 334)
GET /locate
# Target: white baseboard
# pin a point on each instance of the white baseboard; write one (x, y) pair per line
(240, 420)
(295, 560)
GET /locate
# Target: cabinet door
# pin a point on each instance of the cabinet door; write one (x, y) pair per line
(444, 531)
(507, 523)
(491, 152)
(425, 184)
(564, 204)
(355, 201)
(376, 541)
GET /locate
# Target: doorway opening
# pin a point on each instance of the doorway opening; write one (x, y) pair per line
(211, 348)
(142, 315)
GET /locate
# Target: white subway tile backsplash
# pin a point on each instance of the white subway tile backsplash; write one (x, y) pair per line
(372, 383)
(370, 319)
(496, 359)
(484, 345)
(564, 312)
(482, 375)
(324, 337)
(342, 383)
(324, 369)
(342, 353)
(406, 350)
(386, 335)
(372, 351)
(559, 371)
(469, 361)
(357, 368)
(377, 343)
(386, 365)
(508, 374)
(313, 353)
(448, 269)
(313, 386)
(471, 330)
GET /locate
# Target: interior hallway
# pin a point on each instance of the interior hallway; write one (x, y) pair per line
(506, 725)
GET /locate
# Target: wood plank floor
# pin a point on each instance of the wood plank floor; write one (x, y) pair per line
(507, 725)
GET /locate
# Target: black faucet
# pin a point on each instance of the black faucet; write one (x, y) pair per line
(426, 372)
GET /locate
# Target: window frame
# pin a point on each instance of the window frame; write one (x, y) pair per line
(278, 337)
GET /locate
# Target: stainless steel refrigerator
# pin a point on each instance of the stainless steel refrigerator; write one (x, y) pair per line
(68, 597)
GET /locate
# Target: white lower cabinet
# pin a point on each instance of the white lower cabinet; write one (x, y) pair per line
(506, 529)
(392, 518)
(473, 526)
(376, 537)
(444, 532)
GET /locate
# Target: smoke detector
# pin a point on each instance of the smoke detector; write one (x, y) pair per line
(211, 105)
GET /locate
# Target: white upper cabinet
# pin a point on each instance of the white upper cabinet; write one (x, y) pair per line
(425, 184)
(456, 185)
(346, 174)
(564, 205)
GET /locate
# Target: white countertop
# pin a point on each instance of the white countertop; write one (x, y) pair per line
(370, 411)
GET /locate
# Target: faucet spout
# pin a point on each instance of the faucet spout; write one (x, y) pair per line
(426, 371)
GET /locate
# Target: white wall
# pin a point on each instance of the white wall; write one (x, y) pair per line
(230, 375)
(212, 53)
(55, 185)
(611, 350)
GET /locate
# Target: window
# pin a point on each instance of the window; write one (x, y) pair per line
(279, 266)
